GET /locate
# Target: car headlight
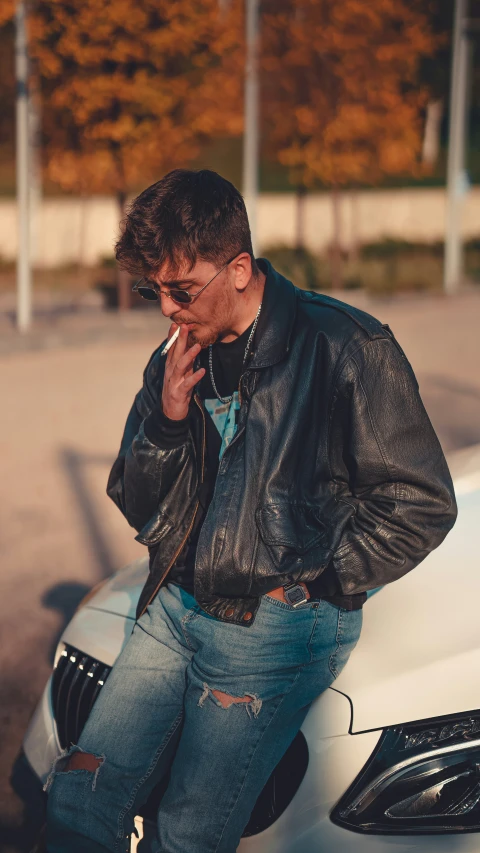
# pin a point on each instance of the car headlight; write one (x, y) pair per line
(422, 777)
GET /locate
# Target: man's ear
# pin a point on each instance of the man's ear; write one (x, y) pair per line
(243, 271)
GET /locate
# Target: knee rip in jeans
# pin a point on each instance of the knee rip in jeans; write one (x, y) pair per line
(225, 700)
(71, 761)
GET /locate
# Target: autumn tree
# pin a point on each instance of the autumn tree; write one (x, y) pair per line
(130, 89)
(7, 97)
(343, 102)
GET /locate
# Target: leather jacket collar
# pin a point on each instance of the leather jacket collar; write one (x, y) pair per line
(276, 320)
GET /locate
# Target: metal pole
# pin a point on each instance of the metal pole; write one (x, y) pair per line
(35, 167)
(456, 177)
(251, 135)
(24, 285)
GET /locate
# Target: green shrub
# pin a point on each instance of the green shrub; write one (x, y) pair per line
(306, 270)
(403, 274)
(472, 245)
(390, 247)
(6, 265)
(107, 262)
(386, 267)
(472, 260)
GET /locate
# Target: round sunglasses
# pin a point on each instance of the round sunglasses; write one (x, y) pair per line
(151, 290)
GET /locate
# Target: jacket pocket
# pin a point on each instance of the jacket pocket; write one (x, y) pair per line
(295, 535)
(155, 529)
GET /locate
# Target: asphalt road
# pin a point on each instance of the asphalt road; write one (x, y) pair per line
(63, 409)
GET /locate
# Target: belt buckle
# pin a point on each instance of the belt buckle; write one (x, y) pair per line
(295, 594)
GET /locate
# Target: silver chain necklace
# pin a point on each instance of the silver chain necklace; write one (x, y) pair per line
(245, 355)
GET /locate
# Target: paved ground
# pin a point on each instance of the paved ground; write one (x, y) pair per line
(65, 392)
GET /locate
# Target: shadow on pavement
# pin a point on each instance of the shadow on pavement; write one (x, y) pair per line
(75, 464)
(22, 801)
(21, 836)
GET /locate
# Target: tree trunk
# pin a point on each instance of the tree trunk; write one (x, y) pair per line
(82, 230)
(431, 133)
(300, 197)
(336, 247)
(124, 287)
(354, 249)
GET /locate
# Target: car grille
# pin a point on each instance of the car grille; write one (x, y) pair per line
(76, 682)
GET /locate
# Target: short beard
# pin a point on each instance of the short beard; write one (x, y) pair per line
(205, 335)
(209, 337)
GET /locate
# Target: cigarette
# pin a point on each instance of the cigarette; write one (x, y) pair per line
(171, 342)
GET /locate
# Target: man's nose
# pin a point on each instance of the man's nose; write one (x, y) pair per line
(167, 304)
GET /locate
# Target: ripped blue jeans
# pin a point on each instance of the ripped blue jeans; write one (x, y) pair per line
(216, 704)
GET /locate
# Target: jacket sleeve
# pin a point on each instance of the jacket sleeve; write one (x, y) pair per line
(395, 477)
(155, 459)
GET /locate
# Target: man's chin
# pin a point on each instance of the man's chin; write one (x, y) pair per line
(204, 337)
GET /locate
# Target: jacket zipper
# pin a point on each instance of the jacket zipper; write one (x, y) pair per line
(172, 561)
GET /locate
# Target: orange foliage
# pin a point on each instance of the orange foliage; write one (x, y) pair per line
(7, 11)
(131, 88)
(342, 98)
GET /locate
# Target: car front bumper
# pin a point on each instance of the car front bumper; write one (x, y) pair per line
(335, 759)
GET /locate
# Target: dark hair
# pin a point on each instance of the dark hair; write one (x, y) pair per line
(188, 215)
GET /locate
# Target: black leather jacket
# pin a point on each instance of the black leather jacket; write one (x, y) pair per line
(334, 461)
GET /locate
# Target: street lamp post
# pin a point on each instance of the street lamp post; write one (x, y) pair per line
(251, 112)
(24, 285)
(456, 174)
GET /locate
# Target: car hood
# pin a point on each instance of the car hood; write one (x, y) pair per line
(420, 646)
(120, 593)
(419, 652)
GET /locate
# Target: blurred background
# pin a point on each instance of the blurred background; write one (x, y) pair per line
(352, 129)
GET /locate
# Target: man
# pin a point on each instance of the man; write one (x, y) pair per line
(278, 463)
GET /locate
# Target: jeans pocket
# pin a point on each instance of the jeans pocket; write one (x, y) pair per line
(349, 625)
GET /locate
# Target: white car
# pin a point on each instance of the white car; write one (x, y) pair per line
(388, 759)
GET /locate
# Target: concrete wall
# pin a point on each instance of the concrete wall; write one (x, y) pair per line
(84, 230)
